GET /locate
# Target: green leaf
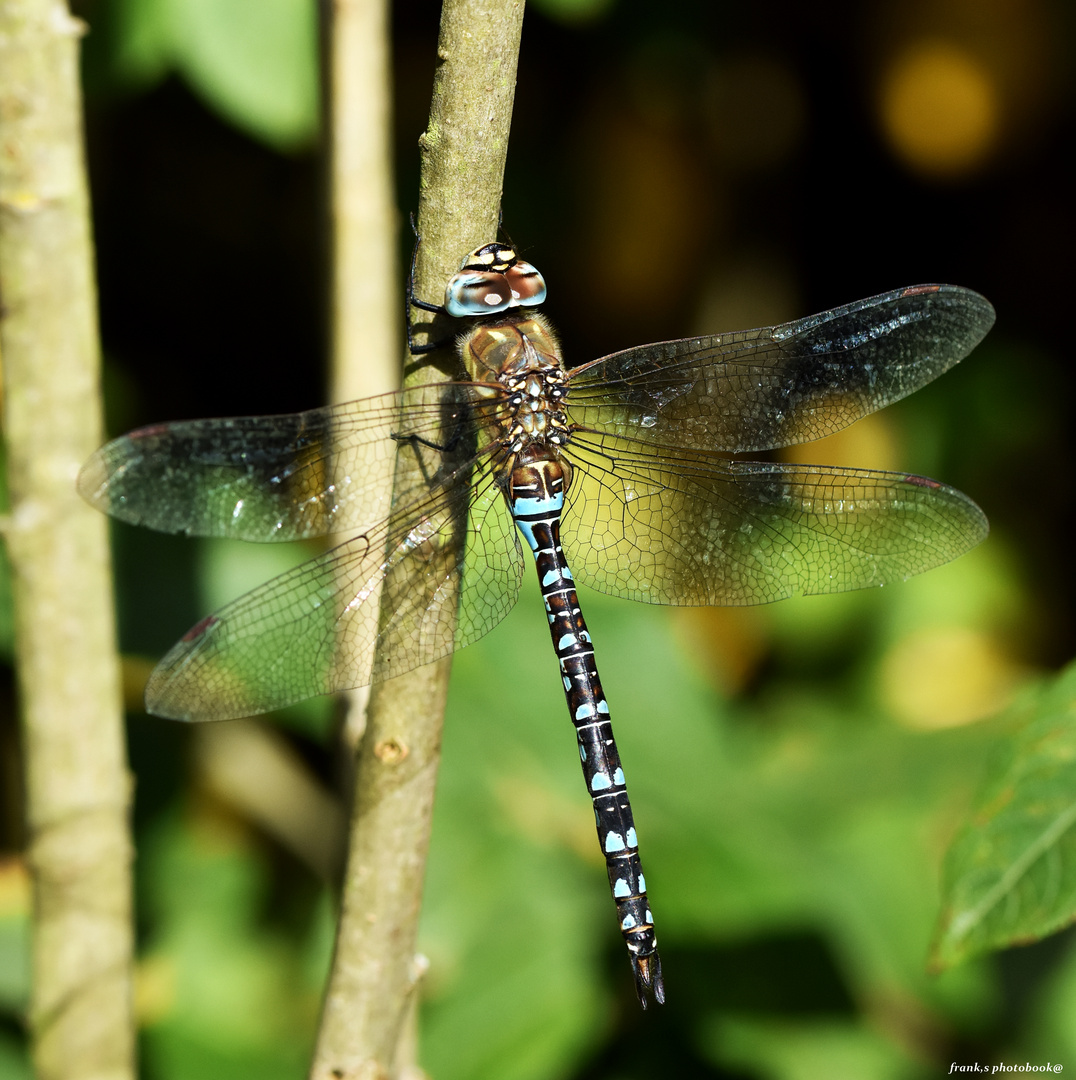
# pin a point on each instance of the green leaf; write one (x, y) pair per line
(256, 61)
(1010, 875)
(140, 42)
(253, 61)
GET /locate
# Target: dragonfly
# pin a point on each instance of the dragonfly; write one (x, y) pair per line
(624, 474)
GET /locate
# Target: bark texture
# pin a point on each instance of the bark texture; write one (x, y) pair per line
(375, 970)
(366, 285)
(77, 785)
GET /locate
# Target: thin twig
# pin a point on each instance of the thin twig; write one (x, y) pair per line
(365, 316)
(374, 968)
(366, 333)
(77, 787)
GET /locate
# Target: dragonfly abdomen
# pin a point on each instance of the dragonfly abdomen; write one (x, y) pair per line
(537, 491)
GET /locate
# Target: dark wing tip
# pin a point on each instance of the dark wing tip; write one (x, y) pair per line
(966, 314)
(977, 312)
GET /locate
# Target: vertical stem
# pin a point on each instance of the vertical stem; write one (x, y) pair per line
(366, 289)
(374, 969)
(366, 306)
(77, 786)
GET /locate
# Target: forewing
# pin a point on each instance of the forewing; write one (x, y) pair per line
(280, 477)
(759, 389)
(694, 529)
(314, 629)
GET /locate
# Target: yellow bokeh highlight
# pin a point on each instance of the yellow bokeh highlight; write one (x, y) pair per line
(14, 888)
(945, 676)
(869, 443)
(940, 109)
(155, 988)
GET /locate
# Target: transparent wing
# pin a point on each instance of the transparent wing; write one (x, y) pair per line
(759, 389)
(677, 527)
(410, 586)
(282, 477)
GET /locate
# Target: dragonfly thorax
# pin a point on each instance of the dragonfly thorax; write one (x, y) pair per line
(535, 409)
(518, 360)
(512, 345)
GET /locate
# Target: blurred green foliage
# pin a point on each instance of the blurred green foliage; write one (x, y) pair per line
(1009, 876)
(798, 773)
(255, 63)
(574, 12)
(225, 995)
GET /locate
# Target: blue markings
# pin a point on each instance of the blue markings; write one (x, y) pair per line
(534, 507)
(544, 509)
(537, 520)
(527, 530)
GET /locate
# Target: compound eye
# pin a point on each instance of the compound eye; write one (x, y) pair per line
(527, 285)
(492, 279)
(471, 293)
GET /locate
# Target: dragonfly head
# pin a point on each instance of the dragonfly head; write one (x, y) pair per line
(492, 279)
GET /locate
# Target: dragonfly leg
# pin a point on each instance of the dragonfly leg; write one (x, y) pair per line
(418, 440)
(423, 305)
